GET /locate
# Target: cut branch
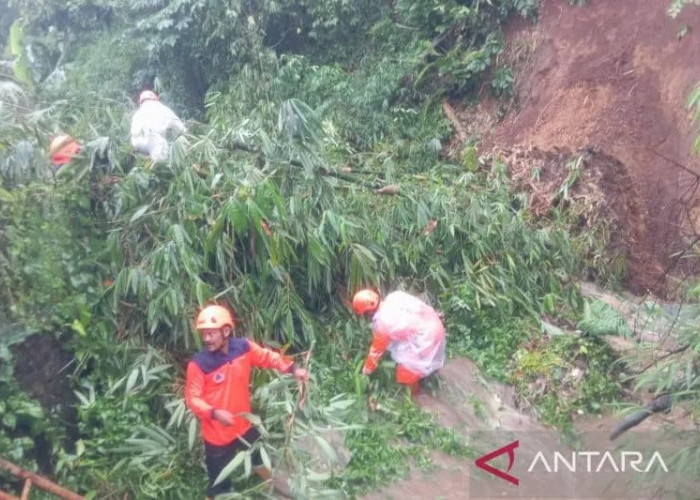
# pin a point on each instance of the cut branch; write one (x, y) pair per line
(452, 116)
(391, 189)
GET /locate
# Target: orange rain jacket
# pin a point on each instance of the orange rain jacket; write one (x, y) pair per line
(218, 381)
(411, 330)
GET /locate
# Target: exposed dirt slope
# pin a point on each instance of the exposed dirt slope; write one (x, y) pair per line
(594, 187)
(613, 76)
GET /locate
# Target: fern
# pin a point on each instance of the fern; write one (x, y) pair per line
(601, 319)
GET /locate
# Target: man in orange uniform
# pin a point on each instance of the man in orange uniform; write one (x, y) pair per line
(411, 330)
(217, 391)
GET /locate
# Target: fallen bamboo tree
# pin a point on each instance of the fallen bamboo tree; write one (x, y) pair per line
(373, 185)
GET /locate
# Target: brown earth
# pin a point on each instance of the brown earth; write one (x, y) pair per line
(594, 187)
(613, 77)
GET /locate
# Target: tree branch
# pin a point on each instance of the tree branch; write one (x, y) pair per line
(674, 162)
(667, 355)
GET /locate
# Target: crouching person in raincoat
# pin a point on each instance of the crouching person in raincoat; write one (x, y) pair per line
(150, 126)
(409, 328)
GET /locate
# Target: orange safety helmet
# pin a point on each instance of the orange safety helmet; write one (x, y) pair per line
(365, 301)
(63, 148)
(147, 95)
(214, 317)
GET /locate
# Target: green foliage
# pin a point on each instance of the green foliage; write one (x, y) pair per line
(97, 67)
(390, 432)
(446, 45)
(21, 418)
(398, 436)
(601, 319)
(694, 104)
(129, 426)
(45, 267)
(503, 82)
(18, 50)
(507, 270)
(676, 6)
(373, 458)
(564, 376)
(177, 240)
(676, 373)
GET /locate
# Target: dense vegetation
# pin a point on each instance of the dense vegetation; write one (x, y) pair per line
(298, 113)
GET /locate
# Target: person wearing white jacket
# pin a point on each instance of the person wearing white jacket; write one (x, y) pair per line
(150, 126)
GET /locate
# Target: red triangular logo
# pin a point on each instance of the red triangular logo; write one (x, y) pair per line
(481, 462)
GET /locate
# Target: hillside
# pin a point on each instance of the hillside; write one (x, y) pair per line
(613, 76)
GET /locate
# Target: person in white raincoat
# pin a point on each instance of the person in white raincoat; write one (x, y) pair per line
(409, 328)
(150, 126)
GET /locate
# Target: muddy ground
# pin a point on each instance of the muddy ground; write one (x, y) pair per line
(612, 77)
(484, 413)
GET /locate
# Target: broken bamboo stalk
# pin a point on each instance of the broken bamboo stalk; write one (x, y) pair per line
(25, 490)
(40, 482)
(452, 116)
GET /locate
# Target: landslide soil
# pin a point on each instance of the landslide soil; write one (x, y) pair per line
(613, 77)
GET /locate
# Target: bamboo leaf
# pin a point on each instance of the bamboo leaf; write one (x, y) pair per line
(192, 434)
(131, 381)
(139, 213)
(326, 448)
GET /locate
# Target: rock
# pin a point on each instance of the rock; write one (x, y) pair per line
(326, 450)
